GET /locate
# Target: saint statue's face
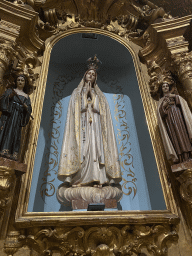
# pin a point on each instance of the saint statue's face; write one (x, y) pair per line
(90, 76)
(165, 88)
(20, 82)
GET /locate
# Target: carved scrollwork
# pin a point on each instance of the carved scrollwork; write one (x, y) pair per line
(104, 240)
(186, 186)
(120, 17)
(7, 177)
(12, 244)
(182, 63)
(23, 63)
(7, 53)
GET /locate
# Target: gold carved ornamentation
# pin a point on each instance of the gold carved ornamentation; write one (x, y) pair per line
(32, 41)
(7, 185)
(125, 155)
(47, 187)
(185, 180)
(120, 17)
(162, 42)
(7, 176)
(6, 55)
(158, 76)
(183, 173)
(105, 240)
(12, 244)
(183, 68)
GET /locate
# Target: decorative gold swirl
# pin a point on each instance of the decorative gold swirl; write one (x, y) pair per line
(125, 156)
(46, 191)
(47, 188)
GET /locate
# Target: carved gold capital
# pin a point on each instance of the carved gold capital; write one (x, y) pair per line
(105, 240)
(186, 186)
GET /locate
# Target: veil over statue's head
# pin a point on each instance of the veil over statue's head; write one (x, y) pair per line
(93, 65)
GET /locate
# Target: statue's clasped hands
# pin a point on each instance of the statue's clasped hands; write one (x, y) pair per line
(89, 90)
(167, 101)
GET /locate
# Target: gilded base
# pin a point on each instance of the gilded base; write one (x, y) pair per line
(88, 194)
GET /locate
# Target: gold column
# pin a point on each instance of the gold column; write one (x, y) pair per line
(183, 67)
(7, 186)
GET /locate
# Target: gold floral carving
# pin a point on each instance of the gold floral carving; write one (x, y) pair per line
(105, 240)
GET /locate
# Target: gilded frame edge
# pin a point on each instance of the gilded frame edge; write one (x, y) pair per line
(22, 216)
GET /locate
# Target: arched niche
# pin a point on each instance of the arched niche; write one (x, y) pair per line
(120, 77)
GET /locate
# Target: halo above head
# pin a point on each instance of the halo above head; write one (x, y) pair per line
(93, 63)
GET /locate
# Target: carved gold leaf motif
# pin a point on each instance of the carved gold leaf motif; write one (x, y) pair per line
(105, 240)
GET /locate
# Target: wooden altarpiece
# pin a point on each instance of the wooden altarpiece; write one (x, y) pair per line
(160, 48)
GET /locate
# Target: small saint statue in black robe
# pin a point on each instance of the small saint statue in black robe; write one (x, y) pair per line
(16, 108)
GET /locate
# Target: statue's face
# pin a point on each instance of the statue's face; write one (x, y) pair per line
(20, 82)
(165, 88)
(90, 76)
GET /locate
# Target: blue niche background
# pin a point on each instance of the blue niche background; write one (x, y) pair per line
(117, 79)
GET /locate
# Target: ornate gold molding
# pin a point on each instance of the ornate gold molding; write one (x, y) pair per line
(12, 244)
(6, 55)
(158, 76)
(7, 185)
(185, 180)
(183, 174)
(183, 67)
(105, 240)
(157, 44)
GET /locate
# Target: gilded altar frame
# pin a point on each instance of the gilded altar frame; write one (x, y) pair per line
(149, 108)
